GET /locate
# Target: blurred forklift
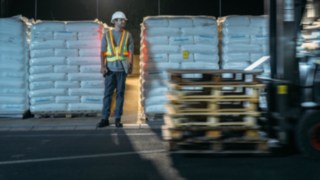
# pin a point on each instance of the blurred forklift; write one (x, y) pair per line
(291, 117)
(293, 90)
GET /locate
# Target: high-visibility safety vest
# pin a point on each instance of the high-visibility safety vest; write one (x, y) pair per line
(120, 52)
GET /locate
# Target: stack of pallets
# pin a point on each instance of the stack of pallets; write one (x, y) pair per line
(214, 110)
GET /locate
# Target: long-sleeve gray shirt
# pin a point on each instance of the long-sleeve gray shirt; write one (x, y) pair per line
(116, 65)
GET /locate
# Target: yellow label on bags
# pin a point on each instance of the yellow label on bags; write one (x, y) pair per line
(185, 55)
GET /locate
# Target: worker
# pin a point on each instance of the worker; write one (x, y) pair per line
(116, 63)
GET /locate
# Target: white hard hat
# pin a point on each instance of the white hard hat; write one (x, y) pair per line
(118, 15)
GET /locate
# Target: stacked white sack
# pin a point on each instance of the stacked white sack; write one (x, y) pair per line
(64, 67)
(244, 39)
(13, 67)
(173, 42)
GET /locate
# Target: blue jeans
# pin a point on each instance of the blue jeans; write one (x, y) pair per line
(114, 81)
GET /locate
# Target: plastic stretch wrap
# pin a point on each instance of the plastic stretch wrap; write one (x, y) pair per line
(14, 57)
(65, 66)
(173, 42)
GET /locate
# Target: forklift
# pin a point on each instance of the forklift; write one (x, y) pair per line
(291, 117)
(293, 89)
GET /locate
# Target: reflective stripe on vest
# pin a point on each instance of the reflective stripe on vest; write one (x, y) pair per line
(120, 52)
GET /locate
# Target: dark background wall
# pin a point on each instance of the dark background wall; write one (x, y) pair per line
(135, 10)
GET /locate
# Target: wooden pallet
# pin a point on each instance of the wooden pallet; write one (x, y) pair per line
(213, 76)
(179, 98)
(191, 91)
(210, 133)
(214, 111)
(226, 105)
(213, 120)
(234, 145)
(176, 112)
(66, 114)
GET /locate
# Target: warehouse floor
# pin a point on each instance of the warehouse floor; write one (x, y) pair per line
(131, 103)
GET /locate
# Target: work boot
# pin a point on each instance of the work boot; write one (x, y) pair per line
(118, 123)
(103, 123)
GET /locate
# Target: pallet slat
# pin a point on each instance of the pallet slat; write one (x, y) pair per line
(171, 111)
(210, 133)
(213, 76)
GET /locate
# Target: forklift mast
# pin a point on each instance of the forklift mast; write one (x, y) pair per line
(285, 18)
(284, 24)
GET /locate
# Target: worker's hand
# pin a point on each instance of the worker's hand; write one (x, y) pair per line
(103, 71)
